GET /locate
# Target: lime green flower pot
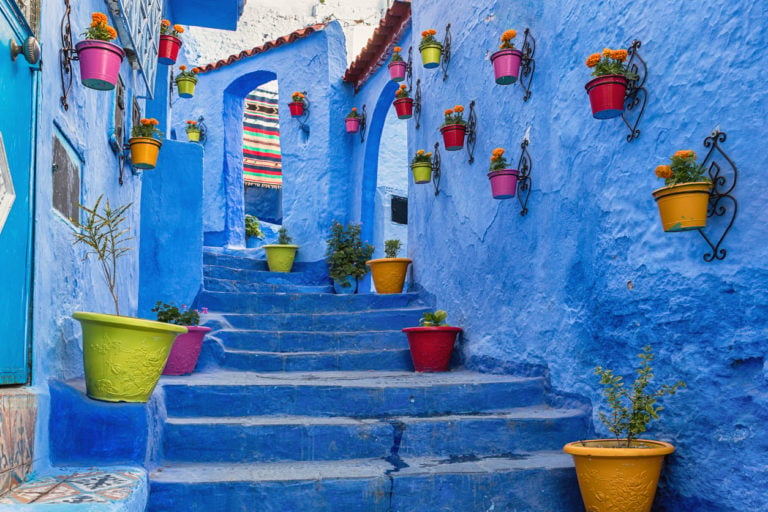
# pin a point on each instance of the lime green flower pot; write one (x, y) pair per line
(430, 54)
(124, 356)
(280, 257)
(186, 86)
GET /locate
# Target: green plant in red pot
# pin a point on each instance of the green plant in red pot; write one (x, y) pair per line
(432, 342)
(403, 103)
(454, 128)
(608, 90)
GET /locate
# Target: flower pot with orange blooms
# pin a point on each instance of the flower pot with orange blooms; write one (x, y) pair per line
(145, 144)
(403, 103)
(193, 131)
(430, 48)
(186, 81)
(503, 179)
(170, 43)
(609, 87)
(397, 66)
(454, 128)
(421, 167)
(684, 202)
(297, 104)
(99, 58)
(352, 121)
(506, 61)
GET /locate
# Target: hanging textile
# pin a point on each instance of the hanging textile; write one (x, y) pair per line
(262, 165)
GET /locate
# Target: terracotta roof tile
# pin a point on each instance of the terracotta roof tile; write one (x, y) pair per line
(280, 41)
(376, 52)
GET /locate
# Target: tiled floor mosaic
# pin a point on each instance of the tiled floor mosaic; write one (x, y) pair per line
(90, 487)
(18, 411)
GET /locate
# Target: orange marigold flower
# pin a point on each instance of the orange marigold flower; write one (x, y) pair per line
(664, 171)
(685, 153)
(165, 23)
(508, 35)
(420, 152)
(432, 31)
(458, 109)
(354, 109)
(448, 111)
(498, 151)
(428, 154)
(398, 49)
(179, 29)
(425, 33)
(98, 17)
(183, 67)
(111, 31)
(145, 122)
(593, 60)
(154, 122)
(403, 86)
(195, 70)
(607, 52)
(619, 55)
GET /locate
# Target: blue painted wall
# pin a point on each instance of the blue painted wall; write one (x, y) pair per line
(588, 277)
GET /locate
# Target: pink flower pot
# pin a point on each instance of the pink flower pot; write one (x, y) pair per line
(404, 108)
(606, 95)
(353, 124)
(397, 71)
(99, 63)
(296, 108)
(453, 136)
(506, 66)
(431, 347)
(168, 51)
(185, 351)
(503, 183)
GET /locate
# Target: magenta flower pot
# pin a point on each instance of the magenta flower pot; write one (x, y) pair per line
(397, 71)
(404, 108)
(503, 183)
(168, 51)
(606, 95)
(185, 351)
(99, 63)
(352, 124)
(506, 66)
(453, 136)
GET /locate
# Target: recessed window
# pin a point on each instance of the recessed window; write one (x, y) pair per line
(399, 210)
(66, 178)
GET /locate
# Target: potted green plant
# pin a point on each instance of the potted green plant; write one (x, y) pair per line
(454, 128)
(430, 48)
(296, 106)
(145, 144)
(389, 272)
(503, 179)
(253, 232)
(186, 349)
(186, 81)
(99, 57)
(122, 356)
(280, 256)
(432, 342)
(608, 89)
(193, 131)
(421, 167)
(346, 255)
(352, 121)
(622, 473)
(170, 43)
(396, 65)
(506, 60)
(403, 103)
(684, 200)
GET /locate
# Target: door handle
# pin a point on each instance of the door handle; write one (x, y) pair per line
(30, 49)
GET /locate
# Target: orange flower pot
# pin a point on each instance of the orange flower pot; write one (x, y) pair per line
(144, 152)
(389, 274)
(684, 206)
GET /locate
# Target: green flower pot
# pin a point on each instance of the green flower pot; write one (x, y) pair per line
(124, 356)
(280, 257)
(430, 54)
(422, 172)
(186, 87)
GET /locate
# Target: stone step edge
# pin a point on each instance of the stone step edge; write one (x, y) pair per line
(324, 353)
(417, 308)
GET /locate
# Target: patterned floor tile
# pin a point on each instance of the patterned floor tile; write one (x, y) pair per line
(90, 487)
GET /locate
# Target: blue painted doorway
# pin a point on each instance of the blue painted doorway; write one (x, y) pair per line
(17, 128)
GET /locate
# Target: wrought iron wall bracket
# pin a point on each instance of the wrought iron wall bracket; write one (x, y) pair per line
(527, 64)
(471, 132)
(363, 124)
(203, 130)
(436, 173)
(126, 157)
(67, 54)
(417, 104)
(409, 68)
(722, 203)
(636, 95)
(445, 53)
(303, 118)
(524, 167)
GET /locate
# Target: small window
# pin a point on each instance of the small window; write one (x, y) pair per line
(66, 178)
(117, 137)
(399, 210)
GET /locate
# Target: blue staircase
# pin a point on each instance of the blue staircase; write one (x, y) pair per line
(308, 402)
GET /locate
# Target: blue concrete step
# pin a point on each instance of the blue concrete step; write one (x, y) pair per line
(256, 260)
(275, 438)
(263, 276)
(530, 482)
(348, 360)
(225, 285)
(355, 394)
(262, 303)
(373, 320)
(311, 341)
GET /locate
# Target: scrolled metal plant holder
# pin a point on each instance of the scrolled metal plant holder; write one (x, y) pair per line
(527, 64)
(417, 104)
(203, 129)
(471, 132)
(409, 68)
(67, 54)
(363, 124)
(303, 118)
(524, 167)
(436, 174)
(445, 53)
(637, 95)
(720, 197)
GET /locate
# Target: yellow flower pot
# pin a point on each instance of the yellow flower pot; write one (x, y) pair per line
(683, 207)
(144, 151)
(389, 274)
(422, 172)
(280, 257)
(186, 86)
(193, 135)
(430, 54)
(613, 479)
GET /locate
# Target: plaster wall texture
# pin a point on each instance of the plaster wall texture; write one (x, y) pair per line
(588, 277)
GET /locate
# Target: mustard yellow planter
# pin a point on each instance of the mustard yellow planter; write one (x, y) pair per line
(280, 257)
(124, 356)
(683, 207)
(615, 479)
(193, 135)
(430, 54)
(144, 152)
(422, 172)
(389, 274)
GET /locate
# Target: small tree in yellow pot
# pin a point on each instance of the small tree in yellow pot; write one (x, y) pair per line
(622, 473)
(389, 272)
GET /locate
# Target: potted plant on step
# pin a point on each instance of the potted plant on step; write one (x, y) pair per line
(454, 128)
(389, 272)
(397, 66)
(432, 342)
(608, 89)
(506, 61)
(170, 43)
(622, 473)
(186, 349)
(296, 106)
(193, 131)
(99, 58)
(253, 231)
(145, 144)
(122, 356)
(403, 103)
(280, 256)
(346, 255)
(503, 179)
(430, 48)
(684, 201)
(186, 81)
(352, 121)
(421, 167)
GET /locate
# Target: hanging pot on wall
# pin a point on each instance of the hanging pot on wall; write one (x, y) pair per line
(168, 51)
(503, 183)
(352, 124)
(397, 71)
(453, 136)
(606, 95)
(99, 63)
(430, 54)
(404, 108)
(422, 172)
(186, 86)
(506, 65)
(144, 152)
(193, 135)
(296, 108)
(683, 207)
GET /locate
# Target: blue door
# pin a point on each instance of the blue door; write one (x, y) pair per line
(17, 128)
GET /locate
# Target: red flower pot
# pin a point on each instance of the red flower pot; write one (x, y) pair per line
(297, 108)
(606, 95)
(168, 51)
(397, 71)
(404, 108)
(185, 351)
(506, 66)
(453, 136)
(503, 183)
(352, 124)
(431, 347)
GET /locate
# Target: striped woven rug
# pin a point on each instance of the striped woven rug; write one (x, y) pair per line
(262, 162)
